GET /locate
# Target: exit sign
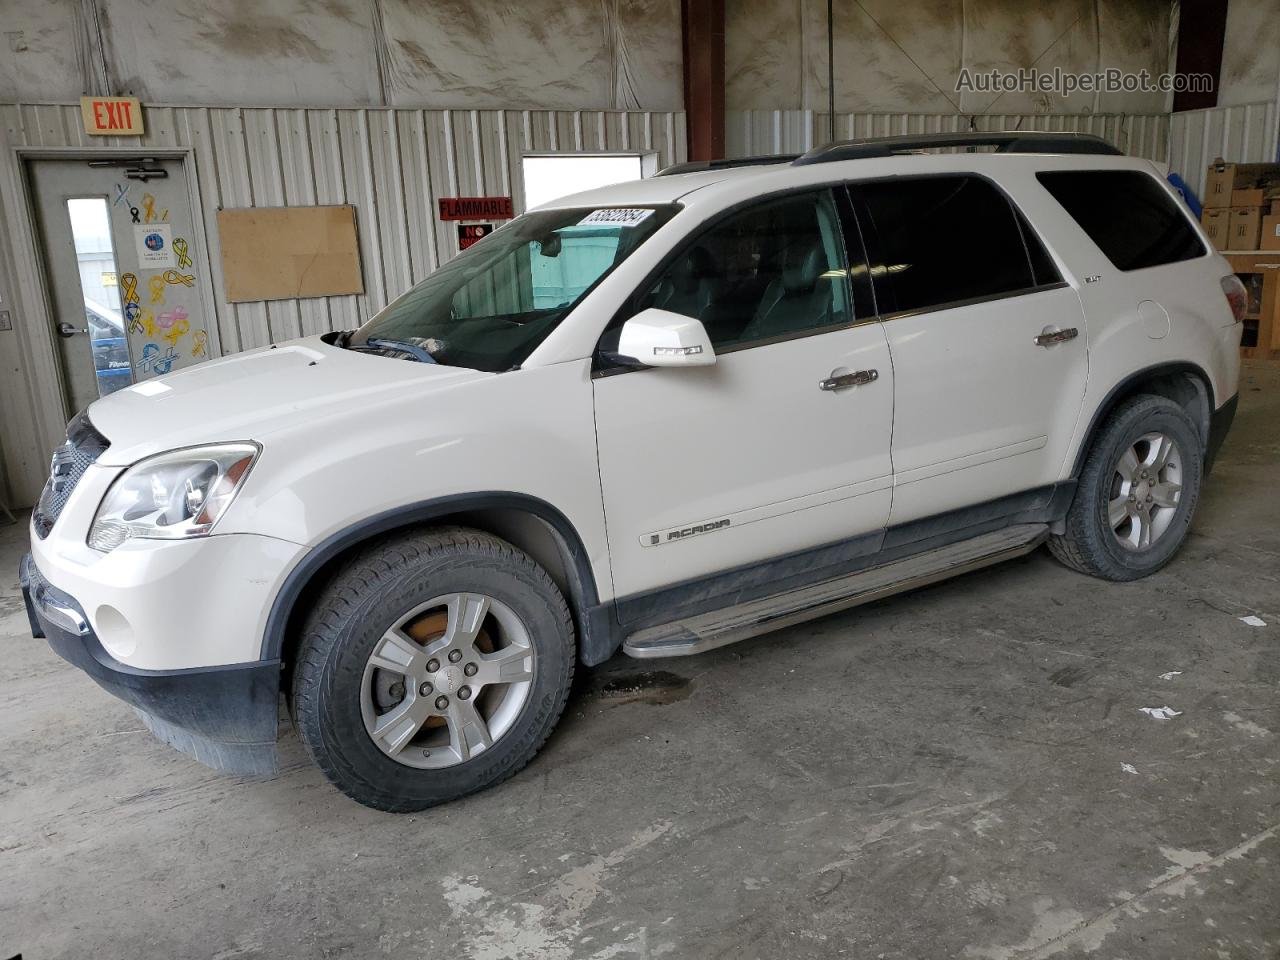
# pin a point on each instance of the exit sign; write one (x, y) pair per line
(112, 116)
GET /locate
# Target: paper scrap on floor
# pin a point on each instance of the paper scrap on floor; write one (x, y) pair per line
(1161, 713)
(1252, 621)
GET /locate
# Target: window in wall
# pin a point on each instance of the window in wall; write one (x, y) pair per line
(774, 270)
(943, 240)
(1128, 214)
(548, 178)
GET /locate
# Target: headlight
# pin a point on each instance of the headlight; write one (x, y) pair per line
(173, 496)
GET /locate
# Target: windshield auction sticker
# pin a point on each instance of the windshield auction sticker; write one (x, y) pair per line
(616, 217)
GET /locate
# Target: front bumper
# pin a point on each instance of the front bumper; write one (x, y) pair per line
(226, 717)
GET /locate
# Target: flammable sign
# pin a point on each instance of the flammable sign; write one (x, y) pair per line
(469, 233)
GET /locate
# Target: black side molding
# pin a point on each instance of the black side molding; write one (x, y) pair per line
(795, 571)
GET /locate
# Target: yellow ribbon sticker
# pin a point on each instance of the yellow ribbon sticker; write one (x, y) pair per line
(184, 254)
(157, 289)
(176, 331)
(149, 210)
(129, 287)
(199, 343)
(173, 276)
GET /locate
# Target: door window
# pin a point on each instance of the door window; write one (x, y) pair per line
(770, 272)
(100, 290)
(937, 241)
(1131, 217)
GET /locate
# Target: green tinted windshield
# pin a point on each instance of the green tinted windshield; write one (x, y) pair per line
(490, 306)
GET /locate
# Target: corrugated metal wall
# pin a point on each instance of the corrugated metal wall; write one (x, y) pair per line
(1187, 141)
(794, 131)
(1242, 134)
(391, 164)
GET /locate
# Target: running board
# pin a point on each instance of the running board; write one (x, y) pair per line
(719, 628)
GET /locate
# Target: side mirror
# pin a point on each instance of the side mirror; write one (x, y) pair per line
(660, 338)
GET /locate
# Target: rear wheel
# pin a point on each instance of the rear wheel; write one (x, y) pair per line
(1137, 492)
(433, 665)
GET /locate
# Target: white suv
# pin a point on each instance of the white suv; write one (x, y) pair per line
(660, 416)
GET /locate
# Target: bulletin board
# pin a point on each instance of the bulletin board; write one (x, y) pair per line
(283, 253)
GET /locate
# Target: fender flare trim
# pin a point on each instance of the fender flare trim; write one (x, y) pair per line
(1103, 409)
(593, 618)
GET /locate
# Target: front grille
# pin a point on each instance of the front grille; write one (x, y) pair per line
(84, 445)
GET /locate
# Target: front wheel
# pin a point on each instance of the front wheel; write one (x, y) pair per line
(433, 665)
(1136, 494)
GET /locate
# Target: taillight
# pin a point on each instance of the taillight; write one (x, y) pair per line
(1236, 294)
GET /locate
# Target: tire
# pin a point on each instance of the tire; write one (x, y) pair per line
(514, 639)
(1091, 544)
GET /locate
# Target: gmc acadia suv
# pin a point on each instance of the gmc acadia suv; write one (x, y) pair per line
(660, 416)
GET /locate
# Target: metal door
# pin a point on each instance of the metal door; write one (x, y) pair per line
(120, 264)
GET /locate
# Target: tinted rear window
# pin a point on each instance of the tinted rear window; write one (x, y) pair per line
(944, 240)
(1128, 214)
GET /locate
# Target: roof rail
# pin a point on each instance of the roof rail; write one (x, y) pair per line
(1005, 141)
(697, 166)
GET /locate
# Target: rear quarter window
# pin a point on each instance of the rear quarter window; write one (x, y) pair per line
(1128, 214)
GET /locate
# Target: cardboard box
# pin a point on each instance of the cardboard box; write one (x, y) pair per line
(1270, 232)
(1218, 184)
(1252, 197)
(1246, 228)
(1216, 223)
(1223, 178)
(1275, 208)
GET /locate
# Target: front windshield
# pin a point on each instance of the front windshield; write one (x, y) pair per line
(490, 306)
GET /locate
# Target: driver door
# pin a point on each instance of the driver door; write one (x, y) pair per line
(705, 469)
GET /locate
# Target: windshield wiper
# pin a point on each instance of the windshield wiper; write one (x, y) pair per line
(396, 346)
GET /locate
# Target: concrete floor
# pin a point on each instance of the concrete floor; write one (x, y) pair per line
(960, 772)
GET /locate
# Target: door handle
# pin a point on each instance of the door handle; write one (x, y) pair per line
(840, 381)
(1049, 337)
(69, 330)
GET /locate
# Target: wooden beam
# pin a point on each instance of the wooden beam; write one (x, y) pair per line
(702, 29)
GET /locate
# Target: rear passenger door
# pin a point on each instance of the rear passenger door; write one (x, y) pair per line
(705, 469)
(988, 343)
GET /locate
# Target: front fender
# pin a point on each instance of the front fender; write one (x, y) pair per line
(597, 638)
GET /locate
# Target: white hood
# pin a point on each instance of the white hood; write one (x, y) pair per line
(251, 395)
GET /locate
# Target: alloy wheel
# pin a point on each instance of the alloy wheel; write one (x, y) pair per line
(447, 680)
(1146, 488)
